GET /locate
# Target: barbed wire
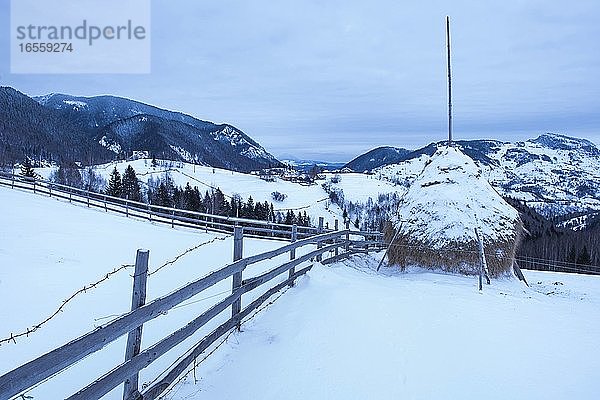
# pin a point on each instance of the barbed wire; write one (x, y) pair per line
(85, 288)
(186, 252)
(93, 285)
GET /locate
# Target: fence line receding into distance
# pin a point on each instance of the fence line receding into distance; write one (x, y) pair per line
(338, 244)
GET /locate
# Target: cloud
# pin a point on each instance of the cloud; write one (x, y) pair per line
(345, 76)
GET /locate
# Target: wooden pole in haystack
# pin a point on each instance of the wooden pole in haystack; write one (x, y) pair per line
(449, 83)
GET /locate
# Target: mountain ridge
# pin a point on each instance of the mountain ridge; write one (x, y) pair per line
(555, 174)
(103, 128)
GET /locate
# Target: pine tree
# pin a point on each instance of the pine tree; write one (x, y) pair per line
(290, 218)
(220, 204)
(207, 202)
(572, 257)
(27, 169)
(130, 185)
(115, 184)
(249, 209)
(584, 257)
(164, 196)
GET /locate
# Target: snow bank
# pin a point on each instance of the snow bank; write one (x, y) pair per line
(437, 218)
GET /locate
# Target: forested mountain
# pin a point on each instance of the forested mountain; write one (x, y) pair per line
(68, 129)
(41, 133)
(377, 157)
(567, 249)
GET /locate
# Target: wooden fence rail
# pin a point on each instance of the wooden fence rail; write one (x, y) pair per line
(159, 214)
(31, 373)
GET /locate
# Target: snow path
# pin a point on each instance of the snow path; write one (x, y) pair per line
(347, 333)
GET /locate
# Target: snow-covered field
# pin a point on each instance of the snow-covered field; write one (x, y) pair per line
(49, 249)
(313, 199)
(349, 333)
(343, 332)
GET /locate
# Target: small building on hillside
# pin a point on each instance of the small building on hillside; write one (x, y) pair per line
(435, 224)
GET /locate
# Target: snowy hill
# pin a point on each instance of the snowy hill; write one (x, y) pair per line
(377, 157)
(313, 198)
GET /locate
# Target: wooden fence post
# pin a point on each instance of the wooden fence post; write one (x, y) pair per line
(347, 247)
(127, 208)
(173, 218)
(482, 262)
(293, 252)
(149, 212)
(320, 244)
(134, 339)
(105, 207)
(335, 228)
(87, 193)
(33, 185)
(238, 249)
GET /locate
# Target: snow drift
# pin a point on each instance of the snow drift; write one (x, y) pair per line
(436, 221)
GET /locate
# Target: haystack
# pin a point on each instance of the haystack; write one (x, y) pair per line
(435, 224)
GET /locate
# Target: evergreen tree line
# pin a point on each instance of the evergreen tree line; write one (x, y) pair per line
(163, 192)
(579, 250)
(86, 179)
(372, 215)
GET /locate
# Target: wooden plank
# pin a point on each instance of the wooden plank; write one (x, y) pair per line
(335, 228)
(238, 249)
(300, 243)
(115, 377)
(483, 269)
(342, 256)
(267, 276)
(157, 389)
(347, 247)
(294, 238)
(138, 299)
(28, 374)
(320, 243)
(519, 273)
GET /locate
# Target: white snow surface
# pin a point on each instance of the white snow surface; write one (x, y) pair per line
(346, 332)
(343, 332)
(49, 249)
(449, 199)
(77, 105)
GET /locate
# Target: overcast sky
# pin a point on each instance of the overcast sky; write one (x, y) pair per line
(331, 79)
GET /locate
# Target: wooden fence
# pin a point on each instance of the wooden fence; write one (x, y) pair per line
(159, 214)
(337, 243)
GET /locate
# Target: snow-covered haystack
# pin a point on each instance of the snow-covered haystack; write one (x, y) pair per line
(435, 223)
